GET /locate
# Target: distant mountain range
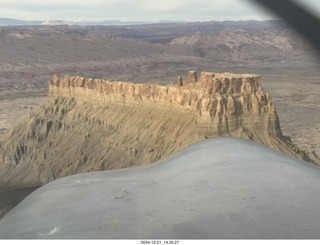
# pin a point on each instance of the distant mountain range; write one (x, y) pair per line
(220, 24)
(16, 22)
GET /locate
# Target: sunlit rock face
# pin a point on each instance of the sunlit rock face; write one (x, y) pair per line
(92, 124)
(217, 188)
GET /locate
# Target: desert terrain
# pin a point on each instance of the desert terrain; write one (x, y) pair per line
(31, 55)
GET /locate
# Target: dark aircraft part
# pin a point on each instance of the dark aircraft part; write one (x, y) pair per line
(299, 18)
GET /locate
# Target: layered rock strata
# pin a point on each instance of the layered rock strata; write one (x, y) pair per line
(92, 124)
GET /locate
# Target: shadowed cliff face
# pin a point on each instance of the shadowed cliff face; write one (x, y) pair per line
(92, 124)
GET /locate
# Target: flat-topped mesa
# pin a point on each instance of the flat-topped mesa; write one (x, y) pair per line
(213, 94)
(92, 124)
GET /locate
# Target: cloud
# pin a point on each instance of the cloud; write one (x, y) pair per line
(129, 10)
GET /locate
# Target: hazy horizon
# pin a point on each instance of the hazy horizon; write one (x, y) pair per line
(138, 11)
(17, 22)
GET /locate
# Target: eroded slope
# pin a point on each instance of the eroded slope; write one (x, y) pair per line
(93, 124)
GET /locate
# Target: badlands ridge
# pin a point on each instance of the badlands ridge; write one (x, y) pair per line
(92, 124)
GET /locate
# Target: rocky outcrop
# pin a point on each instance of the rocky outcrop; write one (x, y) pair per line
(212, 96)
(224, 102)
(92, 124)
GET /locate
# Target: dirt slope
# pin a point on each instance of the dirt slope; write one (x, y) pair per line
(92, 124)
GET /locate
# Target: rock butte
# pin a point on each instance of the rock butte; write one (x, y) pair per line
(224, 102)
(92, 124)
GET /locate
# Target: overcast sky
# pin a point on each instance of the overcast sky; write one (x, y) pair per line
(137, 10)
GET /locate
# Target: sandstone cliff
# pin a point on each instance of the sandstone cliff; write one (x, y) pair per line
(92, 124)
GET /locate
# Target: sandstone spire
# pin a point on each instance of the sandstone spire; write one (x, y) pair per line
(192, 77)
